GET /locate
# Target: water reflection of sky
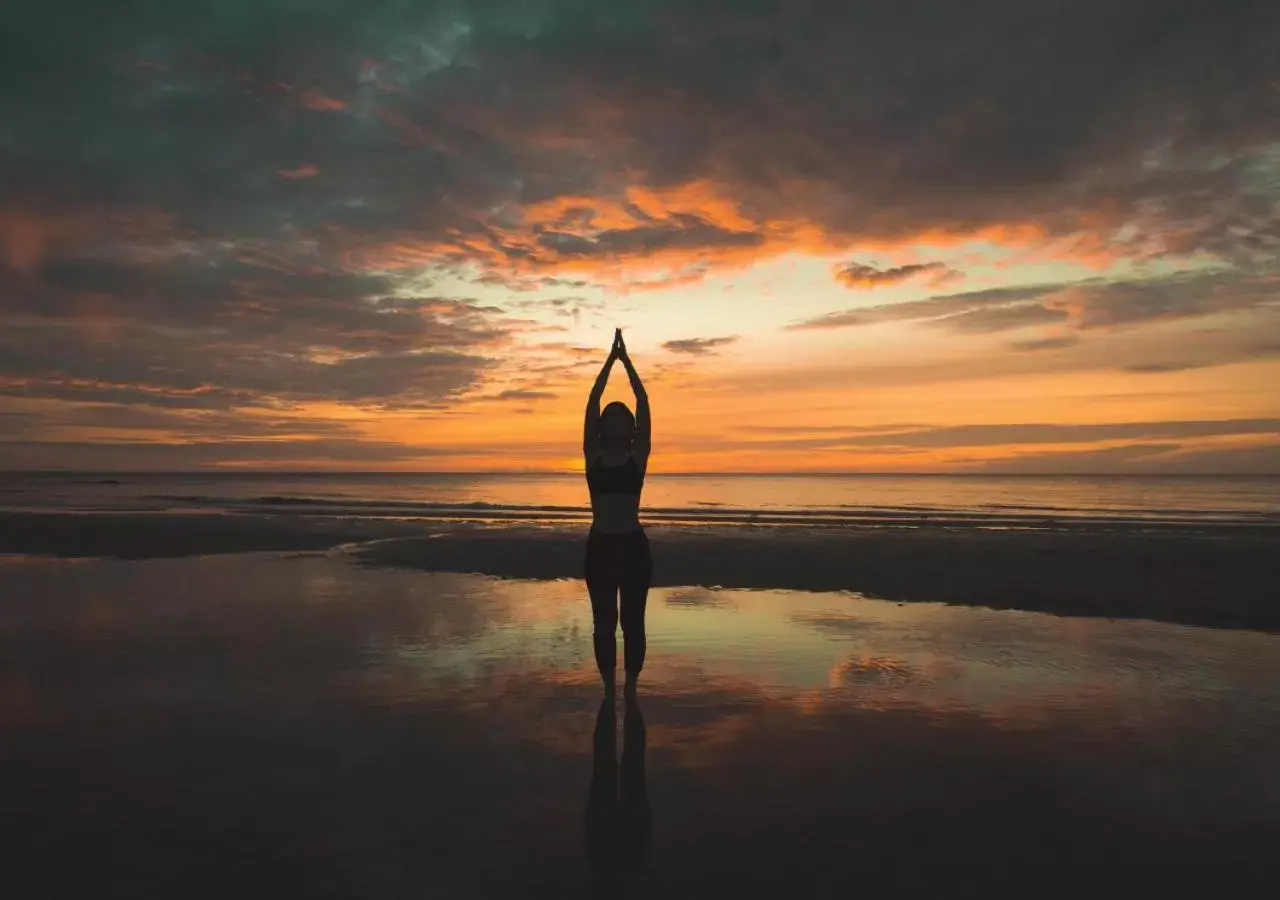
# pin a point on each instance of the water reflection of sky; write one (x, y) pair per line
(407, 721)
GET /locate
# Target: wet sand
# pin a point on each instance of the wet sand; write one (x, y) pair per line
(1225, 577)
(302, 724)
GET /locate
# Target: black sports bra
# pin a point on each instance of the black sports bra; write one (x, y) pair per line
(624, 479)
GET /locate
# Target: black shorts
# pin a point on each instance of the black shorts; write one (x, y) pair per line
(617, 561)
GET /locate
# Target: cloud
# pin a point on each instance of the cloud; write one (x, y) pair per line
(1051, 343)
(1263, 459)
(1162, 458)
(523, 394)
(445, 133)
(163, 456)
(305, 170)
(223, 332)
(1083, 306)
(933, 308)
(1013, 434)
(825, 429)
(1009, 434)
(17, 422)
(1162, 368)
(188, 424)
(860, 277)
(699, 346)
(682, 231)
(1000, 318)
(315, 100)
(1205, 350)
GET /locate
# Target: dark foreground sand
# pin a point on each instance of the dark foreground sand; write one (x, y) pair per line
(1228, 578)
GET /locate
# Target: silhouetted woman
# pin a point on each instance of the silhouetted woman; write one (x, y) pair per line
(617, 566)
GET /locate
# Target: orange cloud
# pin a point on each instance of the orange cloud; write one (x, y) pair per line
(306, 170)
(641, 238)
(314, 100)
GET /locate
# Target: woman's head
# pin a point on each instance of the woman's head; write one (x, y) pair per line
(617, 424)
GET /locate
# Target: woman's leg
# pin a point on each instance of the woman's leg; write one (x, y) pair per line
(635, 595)
(602, 586)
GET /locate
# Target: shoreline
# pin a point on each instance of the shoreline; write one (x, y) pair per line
(1220, 579)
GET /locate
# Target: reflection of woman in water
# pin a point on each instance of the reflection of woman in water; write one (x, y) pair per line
(619, 823)
(617, 566)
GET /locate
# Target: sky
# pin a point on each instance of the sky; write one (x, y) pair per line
(845, 236)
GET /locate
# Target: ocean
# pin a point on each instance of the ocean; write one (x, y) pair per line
(984, 501)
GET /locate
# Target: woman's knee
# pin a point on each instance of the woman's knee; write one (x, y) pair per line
(604, 619)
(633, 615)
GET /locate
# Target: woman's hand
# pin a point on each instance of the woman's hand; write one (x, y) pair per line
(640, 441)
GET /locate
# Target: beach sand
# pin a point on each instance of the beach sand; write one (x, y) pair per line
(312, 724)
(1193, 575)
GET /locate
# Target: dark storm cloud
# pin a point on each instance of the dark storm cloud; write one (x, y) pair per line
(439, 122)
(699, 346)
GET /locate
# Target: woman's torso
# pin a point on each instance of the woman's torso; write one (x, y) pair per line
(615, 494)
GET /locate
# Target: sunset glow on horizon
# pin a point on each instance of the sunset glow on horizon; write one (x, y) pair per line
(838, 237)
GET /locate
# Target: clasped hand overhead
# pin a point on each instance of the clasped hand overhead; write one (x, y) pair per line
(619, 349)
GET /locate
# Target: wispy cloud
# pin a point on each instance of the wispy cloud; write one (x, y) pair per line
(1016, 434)
(319, 102)
(525, 394)
(305, 170)
(1083, 306)
(699, 346)
(860, 277)
(1050, 343)
(1160, 458)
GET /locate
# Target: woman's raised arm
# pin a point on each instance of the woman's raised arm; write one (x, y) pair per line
(591, 422)
(641, 441)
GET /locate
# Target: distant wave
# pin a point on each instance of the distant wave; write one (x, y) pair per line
(1002, 517)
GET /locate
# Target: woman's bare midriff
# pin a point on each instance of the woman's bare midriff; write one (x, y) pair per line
(615, 513)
